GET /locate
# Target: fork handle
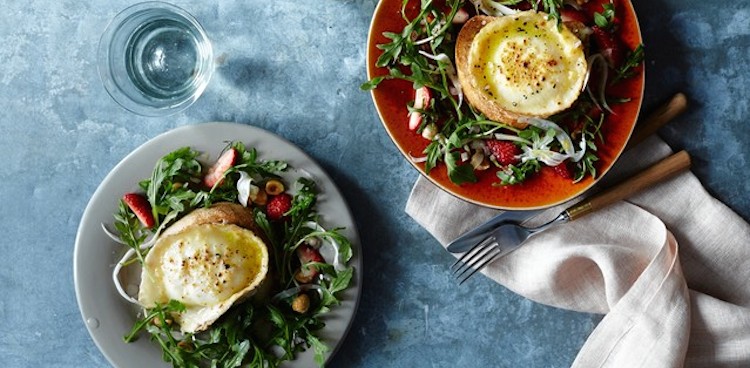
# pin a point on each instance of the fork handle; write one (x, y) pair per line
(658, 172)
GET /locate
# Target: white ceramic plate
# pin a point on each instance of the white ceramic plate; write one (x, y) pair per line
(108, 317)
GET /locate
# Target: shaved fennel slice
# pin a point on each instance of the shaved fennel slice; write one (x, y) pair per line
(492, 8)
(112, 235)
(329, 248)
(450, 70)
(565, 141)
(418, 160)
(597, 63)
(512, 138)
(128, 256)
(116, 277)
(246, 190)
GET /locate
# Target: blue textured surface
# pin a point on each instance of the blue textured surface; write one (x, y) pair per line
(294, 68)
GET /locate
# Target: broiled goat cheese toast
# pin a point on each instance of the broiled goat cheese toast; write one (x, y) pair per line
(519, 66)
(209, 260)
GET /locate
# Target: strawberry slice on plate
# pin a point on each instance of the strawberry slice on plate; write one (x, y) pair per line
(307, 255)
(505, 152)
(278, 206)
(216, 172)
(140, 207)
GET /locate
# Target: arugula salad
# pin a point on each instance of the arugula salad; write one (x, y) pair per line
(464, 141)
(308, 264)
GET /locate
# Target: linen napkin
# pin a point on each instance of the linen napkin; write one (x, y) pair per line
(670, 268)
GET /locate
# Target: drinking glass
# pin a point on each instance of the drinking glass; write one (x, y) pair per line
(155, 59)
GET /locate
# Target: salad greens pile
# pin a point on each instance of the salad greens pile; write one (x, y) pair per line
(423, 54)
(261, 332)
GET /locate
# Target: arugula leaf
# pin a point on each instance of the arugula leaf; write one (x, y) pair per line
(130, 229)
(391, 51)
(459, 173)
(170, 175)
(433, 152)
(338, 282)
(262, 221)
(371, 84)
(551, 7)
(513, 174)
(239, 352)
(250, 163)
(632, 60)
(606, 18)
(158, 313)
(341, 281)
(319, 348)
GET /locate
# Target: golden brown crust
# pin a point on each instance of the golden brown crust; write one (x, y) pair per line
(219, 213)
(476, 98)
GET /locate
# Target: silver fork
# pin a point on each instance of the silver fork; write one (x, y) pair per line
(509, 236)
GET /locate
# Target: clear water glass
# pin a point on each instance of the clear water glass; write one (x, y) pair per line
(155, 59)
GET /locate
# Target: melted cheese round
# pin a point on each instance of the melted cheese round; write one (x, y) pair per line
(527, 65)
(207, 268)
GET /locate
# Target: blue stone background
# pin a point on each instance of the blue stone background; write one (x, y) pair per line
(294, 68)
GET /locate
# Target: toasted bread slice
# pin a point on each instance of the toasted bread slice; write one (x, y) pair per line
(219, 213)
(519, 66)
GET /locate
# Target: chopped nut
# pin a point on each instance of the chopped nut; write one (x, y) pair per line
(186, 345)
(304, 277)
(157, 322)
(301, 303)
(274, 187)
(477, 159)
(261, 198)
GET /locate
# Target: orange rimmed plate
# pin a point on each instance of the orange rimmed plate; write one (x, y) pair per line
(544, 189)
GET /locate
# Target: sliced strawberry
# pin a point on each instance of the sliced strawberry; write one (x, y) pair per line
(140, 207)
(216, 172)
(573, 15)
(422, 98)
(306, 256)
(278, 205)
(610, 46)
(564, 170)
(505, 152)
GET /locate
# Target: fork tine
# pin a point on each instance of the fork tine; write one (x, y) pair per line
(487, 261)
(471, 252)
(470, 267)
(475, 258)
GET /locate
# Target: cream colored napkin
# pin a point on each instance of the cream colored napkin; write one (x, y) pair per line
(670, 268)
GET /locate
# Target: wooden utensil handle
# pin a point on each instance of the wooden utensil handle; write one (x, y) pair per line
(660, 171)
(676, 106)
